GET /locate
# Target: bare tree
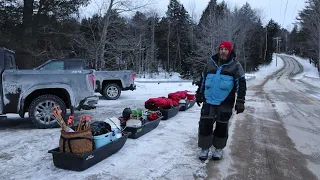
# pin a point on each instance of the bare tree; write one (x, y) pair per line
(229, 25)
(194, 20)
(119, 6)
(151, 53)
(27, 17)
(168, 45)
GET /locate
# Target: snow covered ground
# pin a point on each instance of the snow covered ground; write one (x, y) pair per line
(161, 76)
(310, 73)
(168, 152)
(309, 70)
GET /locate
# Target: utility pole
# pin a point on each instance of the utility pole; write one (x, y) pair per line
(286, 50)
(265, 52)
(278, 39)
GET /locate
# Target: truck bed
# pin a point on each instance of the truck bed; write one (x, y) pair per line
(18, 84)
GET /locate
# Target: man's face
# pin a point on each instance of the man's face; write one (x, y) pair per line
(223, 53)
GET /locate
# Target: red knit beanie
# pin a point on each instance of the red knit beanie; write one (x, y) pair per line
(227, 45)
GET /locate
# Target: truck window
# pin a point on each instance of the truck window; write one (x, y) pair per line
(55, 65)
(74, 64)
(10, 62)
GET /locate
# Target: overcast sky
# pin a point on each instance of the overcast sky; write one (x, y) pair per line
(275, 9)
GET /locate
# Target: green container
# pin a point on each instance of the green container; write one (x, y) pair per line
(137, 112)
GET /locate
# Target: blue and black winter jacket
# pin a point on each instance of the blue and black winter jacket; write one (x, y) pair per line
(220, 84)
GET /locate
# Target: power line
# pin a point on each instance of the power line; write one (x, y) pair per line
(280, 10)
(285, 11)
(295, 8)
(266, 36)
(270, 6)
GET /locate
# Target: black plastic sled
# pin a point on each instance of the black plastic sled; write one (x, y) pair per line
(187, 105)
(169, 113)
(77, 162)
(137, 132)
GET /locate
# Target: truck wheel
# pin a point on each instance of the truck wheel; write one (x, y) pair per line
(41, 111)
(111, 91)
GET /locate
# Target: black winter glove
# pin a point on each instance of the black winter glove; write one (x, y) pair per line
(239, 107)
(199, 99)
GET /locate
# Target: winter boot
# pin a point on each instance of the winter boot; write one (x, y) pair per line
(217, 154)
(204, 154)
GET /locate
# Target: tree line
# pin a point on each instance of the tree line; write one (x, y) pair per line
(38, 30)
(304, 39)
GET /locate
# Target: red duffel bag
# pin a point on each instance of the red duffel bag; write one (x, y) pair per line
(191, 96)
(174, 103)
(160, 102)
(176, 96)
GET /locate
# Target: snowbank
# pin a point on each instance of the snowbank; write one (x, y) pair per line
(309, 70)
(162, 76)
(266, 70)
(310, 73)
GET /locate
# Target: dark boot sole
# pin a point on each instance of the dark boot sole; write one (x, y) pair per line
(216, 158)
(203, 158)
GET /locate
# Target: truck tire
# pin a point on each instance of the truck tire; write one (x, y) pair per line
(44, 104)
(111, 91)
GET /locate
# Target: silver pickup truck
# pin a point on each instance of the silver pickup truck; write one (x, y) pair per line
(107, 83)
(37, 91)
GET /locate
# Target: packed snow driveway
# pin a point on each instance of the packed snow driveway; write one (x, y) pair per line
(167, 152)
(278, 135)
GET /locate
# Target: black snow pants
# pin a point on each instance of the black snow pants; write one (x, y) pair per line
(211, 114)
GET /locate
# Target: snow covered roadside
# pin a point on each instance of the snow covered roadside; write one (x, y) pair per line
(310, 74)
(168, 152)
(265, 71)
(175, 77)
(309, 70)
(160, 77)
(250, 77)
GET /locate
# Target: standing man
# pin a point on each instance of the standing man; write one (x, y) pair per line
(222, 79)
